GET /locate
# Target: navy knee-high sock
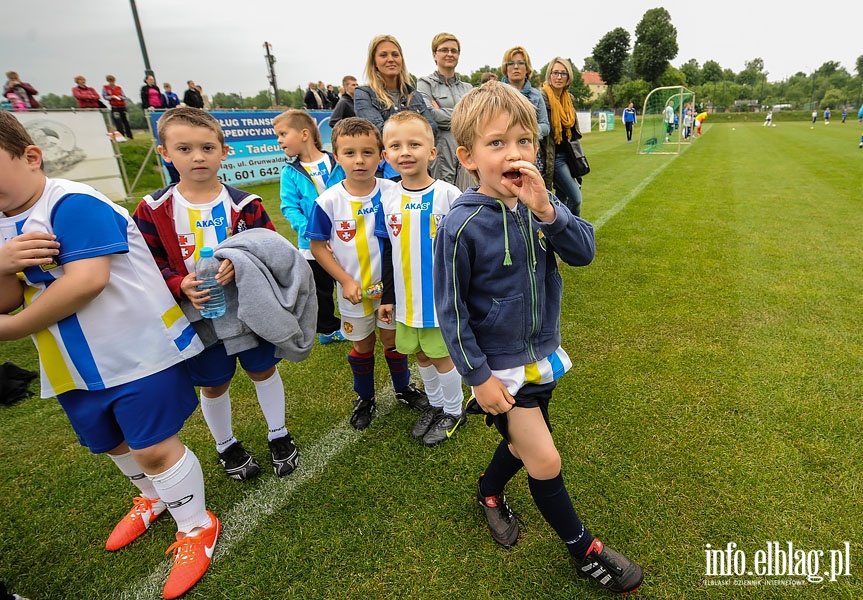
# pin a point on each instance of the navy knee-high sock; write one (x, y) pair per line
(553, 502)
(363, 368)
(399, 371)
(500, 470)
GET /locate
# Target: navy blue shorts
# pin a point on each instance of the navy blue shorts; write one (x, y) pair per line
(531, 395)
(214, 366)
(143, 412)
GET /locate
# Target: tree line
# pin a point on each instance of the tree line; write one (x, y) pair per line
(630, 70)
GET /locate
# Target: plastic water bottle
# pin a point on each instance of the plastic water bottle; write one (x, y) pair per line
(375, 291)
(205, 270)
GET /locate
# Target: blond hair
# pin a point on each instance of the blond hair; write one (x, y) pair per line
(507, 56)
(374, 78)
(294, 118)
(407, 116)
(444, 37)
(485, 102)
(566, 65)
(193, 117)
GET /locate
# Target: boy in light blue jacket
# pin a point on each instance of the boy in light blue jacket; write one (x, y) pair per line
(311, 171)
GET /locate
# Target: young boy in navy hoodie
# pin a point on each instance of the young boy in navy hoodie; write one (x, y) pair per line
(498, 296)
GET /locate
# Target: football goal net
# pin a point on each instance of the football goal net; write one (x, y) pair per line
(667, 120)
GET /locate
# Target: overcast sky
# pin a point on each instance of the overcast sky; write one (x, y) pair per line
(219, 43)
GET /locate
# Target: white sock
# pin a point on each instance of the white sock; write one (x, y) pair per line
(217, 414)
(453, 394)
(271, 397)
(127, 465)
(182, 489)
(431, 383)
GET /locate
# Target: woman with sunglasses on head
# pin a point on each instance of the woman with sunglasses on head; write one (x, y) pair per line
(564, 129)
(389, 90)
(516, 71)
(441, 91)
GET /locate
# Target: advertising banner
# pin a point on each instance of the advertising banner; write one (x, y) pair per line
(254, 155)
(75, 145)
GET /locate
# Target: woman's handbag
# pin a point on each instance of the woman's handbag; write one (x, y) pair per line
(576, 160)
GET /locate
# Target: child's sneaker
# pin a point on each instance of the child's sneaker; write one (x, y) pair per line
(443, 428)
(331, 338)
(425, 420)
(413, 397)
(364, 412)
(498, 515)
(135, 523)
(192, 556)
(238, 463)
(284, 454)
(610, 569)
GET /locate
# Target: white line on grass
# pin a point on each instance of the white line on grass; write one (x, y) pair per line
(243, 518)
(621, 204)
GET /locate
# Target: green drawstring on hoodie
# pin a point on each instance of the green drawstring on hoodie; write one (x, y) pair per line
(507, 261)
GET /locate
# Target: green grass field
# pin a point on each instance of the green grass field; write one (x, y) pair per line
(717, 342)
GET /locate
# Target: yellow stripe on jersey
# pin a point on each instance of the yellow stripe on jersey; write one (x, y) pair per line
(407, 271)
(194, 217)
(532, 373)
(53, 362)
(172, 315)
(361, 243)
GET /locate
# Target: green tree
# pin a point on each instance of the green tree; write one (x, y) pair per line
(55, 101)
(590, 63)
(711, 72)
(655, 44)
(610, 54)
(692, 72)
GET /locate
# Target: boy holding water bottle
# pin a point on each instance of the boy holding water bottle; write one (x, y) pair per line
(341, 231)
(200, 211)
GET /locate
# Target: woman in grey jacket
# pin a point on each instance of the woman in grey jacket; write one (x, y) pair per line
(441, 91)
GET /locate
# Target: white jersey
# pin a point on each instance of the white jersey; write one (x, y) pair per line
(410, 220)
(319, 172)
(200, 225)
(133, 328)
(545, 370)
(348, 223)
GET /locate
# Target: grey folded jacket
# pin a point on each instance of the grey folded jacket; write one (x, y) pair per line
(272, 297)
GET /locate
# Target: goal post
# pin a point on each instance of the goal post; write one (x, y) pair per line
(667, 120)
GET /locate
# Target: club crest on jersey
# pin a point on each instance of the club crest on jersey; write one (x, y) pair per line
(186, 242)
(347, 229)
(394, 222)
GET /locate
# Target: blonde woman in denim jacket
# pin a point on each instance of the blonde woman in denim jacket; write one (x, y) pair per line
(389, 90)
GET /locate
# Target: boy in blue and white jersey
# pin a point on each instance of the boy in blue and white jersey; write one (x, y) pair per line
(111, 341)
(341, 231)
(407, 222)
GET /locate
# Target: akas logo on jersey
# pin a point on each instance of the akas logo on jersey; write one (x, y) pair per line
(347, 229)
(394, 222)
(217, 222)
(187, 244)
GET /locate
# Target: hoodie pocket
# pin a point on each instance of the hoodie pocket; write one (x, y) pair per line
(502, 330)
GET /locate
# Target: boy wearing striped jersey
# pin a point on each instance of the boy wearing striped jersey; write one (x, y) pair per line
(177, 222)
(408, 220)
(111, 342)
(342, 237)
(498, 300)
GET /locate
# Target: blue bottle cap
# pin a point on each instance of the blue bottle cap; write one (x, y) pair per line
(206, 251)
